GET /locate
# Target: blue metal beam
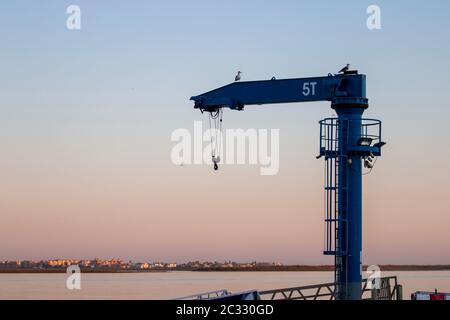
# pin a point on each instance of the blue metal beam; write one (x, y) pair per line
(334, 88)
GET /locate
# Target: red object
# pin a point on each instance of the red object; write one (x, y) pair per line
(437, 296)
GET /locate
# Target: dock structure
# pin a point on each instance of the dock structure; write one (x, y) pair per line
(389, 289)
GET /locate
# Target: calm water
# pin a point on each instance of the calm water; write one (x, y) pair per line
(169, 285)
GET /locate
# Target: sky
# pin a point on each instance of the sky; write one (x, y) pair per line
(86, 118)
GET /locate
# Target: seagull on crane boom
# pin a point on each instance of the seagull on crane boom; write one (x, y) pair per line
(238, 76)
(345, 69)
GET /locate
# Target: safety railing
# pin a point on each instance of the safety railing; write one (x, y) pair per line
(207, 295)
(389, 289)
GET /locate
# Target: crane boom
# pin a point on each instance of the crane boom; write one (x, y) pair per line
(334, 88)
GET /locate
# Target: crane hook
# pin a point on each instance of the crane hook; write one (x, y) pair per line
(216, 167)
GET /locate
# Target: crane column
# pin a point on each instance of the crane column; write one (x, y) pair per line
(349, 208)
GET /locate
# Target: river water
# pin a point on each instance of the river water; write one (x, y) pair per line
(169, 285)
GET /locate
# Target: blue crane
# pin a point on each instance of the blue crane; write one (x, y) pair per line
(348, 143)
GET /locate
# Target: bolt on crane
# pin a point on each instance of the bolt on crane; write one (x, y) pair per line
(347, 142)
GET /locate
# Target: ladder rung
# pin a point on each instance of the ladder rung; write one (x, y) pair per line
(335, 253)
(335, 220)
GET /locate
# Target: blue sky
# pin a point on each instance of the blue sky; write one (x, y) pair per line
(96, 107)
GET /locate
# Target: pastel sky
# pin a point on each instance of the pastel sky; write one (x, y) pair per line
(86, 118)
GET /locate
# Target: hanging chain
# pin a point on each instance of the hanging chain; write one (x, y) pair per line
(216, 141)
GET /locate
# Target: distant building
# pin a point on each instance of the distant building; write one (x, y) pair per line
(144, 265)
(61, 263)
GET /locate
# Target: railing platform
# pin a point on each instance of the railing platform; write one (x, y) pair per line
(389, 289)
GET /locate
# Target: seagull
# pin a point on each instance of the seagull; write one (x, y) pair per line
(238, 76)
(345, 69)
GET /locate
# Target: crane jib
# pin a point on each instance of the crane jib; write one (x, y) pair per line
(236, 95)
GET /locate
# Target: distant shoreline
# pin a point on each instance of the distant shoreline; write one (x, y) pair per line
(331, 268)
(298, 268)
(25, 270)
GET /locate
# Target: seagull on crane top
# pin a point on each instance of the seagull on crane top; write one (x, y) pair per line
(238, 76)
(345, 69)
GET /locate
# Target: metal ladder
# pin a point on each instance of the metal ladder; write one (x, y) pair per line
(336, 204)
